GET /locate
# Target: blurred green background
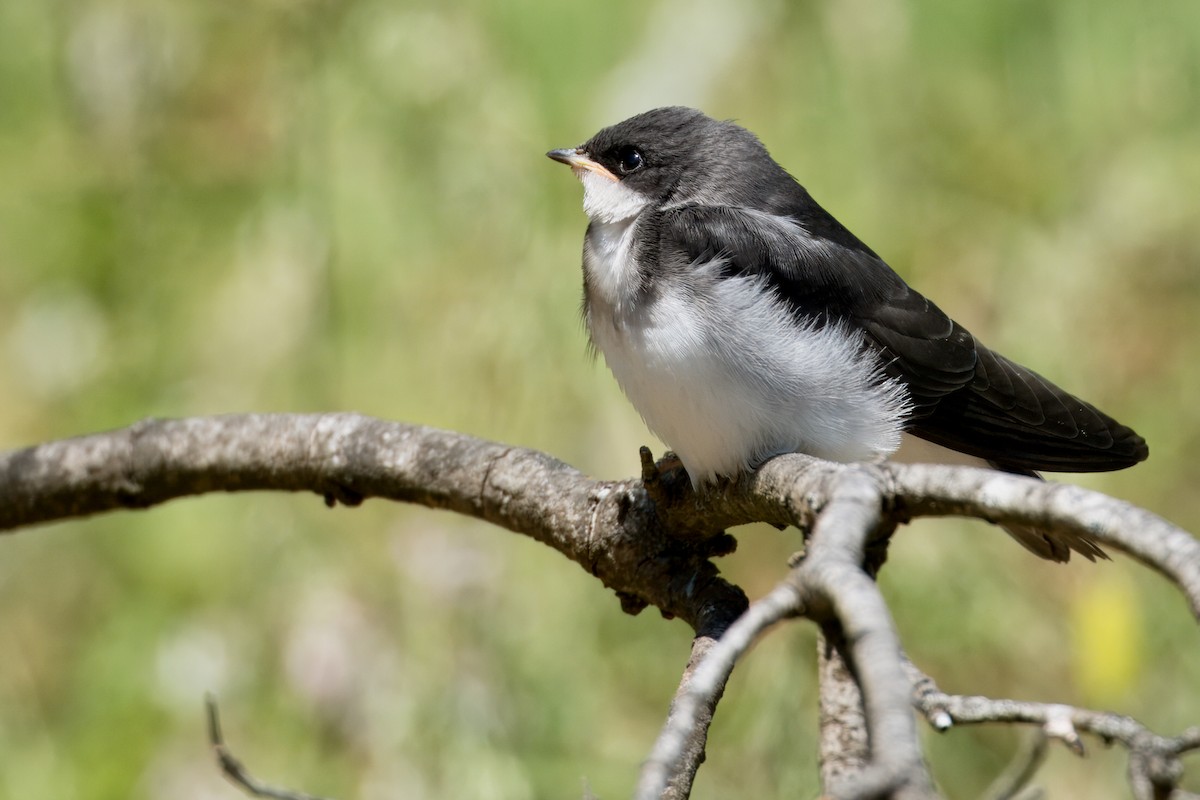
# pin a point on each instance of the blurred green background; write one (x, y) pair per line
(224, 206)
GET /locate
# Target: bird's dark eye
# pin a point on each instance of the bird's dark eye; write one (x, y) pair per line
(629, 160)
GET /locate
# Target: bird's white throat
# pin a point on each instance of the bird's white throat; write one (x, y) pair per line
(606, 200)
(613, 209)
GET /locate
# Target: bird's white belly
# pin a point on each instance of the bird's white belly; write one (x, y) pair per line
(721, 372)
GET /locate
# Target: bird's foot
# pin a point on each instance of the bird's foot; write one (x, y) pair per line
(666, 480)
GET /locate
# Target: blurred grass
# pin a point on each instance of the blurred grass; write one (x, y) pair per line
(321, 205)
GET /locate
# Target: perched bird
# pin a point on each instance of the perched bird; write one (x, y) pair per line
(743, 321)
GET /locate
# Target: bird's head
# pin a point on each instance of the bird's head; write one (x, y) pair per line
(668, 156)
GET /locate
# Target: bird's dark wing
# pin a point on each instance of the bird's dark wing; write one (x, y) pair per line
(964, 396)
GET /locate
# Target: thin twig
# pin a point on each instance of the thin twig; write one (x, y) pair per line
(692, 751)
(235, 771)
(713, 625)
(1020, 771)
(1154, 759)
(706, 682)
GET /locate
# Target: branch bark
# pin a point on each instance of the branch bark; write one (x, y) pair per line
(610, 528)
(651, 541)
(1153, 759)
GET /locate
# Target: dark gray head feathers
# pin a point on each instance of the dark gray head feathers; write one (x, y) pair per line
(679, 154)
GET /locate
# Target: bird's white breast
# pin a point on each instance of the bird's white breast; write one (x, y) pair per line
(723, 373)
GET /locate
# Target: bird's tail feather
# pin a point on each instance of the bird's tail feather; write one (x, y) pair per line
(1054, 545)
(1050, 545)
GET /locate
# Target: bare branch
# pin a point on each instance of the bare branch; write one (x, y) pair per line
(699, 692)
(692, 749)
(1016, 776)
(829, 585)
(651, 540)
(927, 490)
(348, 457)
(611, 528)
(1154, 759)
(845, 744)
(235, 771)
(832, 576)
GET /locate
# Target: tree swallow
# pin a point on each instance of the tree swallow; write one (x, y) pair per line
(743, 321)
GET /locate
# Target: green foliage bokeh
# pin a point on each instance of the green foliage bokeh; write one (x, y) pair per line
(306, 205)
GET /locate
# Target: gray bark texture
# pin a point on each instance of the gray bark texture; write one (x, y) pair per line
(651, 540)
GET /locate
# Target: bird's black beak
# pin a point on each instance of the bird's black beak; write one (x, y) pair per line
(569, 156)
(578, 161)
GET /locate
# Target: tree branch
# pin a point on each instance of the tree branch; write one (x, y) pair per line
(650, 540)
(828, 585)
(700, 690)
(928, 490)
(349, 457)
(610, 528)
(234, 770)
(1020, 771)
(1153, 759)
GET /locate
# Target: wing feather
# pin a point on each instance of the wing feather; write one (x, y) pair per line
(964, 395)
